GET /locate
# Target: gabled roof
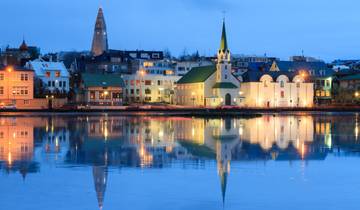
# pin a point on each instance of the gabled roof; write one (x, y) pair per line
(41, 67)
(225, 85)
(102, 80)
(198, 74)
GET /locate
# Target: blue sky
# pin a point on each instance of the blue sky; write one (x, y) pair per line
(322, 28)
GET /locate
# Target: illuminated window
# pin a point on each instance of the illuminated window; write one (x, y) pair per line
(24, 77)
(48, 74)
(1, 77)
(282, 94)
(147, 82)
(265, 83)
(92, 95)
(1, 90)
(57, 74)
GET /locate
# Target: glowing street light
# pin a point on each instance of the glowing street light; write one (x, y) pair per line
(357, 94)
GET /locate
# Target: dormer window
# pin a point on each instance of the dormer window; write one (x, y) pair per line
(57, 74)
(48, 74)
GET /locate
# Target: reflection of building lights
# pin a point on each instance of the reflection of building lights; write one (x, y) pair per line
(9, 158)
(303, 151)
(193, 131)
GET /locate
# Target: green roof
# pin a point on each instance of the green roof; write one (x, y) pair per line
(223, 43)
(102, 80)
(351, 77)
(225, 85)
(198, 74)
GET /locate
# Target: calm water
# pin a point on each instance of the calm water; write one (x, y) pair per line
(117, 162)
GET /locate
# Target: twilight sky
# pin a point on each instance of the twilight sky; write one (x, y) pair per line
(327, 29)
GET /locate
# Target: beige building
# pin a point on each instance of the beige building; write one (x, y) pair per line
(276, 89)
(16, 86)
(210, 86)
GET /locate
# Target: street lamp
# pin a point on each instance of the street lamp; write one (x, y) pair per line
(9, 69)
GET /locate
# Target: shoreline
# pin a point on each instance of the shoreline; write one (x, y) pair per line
(184, 112)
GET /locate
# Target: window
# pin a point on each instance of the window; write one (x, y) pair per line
(147, 91)
(26, 102)
(282, 84)
(132, 91)
(1, 90)
(265, 83)
(327, 83)
(24, 77)
(64, 84)
(147, 82)
(49, 83)
(57, 74)
(226, 76)
(92, 95)
(159, 82)
(48, 74)
(137, 91)
(298, 84)
(282, 94)
(1, 77)
(53, 83)
(60, 84)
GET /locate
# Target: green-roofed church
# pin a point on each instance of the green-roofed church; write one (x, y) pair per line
(210, 86)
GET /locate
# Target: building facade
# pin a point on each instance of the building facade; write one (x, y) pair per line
(16, 86)
(149, 88)
(276, 89)
(101, 90)
(210, 86)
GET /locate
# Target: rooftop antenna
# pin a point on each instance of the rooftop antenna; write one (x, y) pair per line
(302, 53)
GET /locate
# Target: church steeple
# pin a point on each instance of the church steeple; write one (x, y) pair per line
(100, 40)
(224, 52)
(223, 43)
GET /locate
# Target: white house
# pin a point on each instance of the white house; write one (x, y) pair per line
(53, 75)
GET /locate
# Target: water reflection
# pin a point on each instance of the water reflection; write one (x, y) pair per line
(103, 142)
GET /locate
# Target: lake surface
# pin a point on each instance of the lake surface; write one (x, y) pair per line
(109, 161)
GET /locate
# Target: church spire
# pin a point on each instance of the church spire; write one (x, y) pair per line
(223, 42)
(100, 41)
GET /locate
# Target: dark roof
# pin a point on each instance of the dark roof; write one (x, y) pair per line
(254, 76)
(296, 66)
(351, 77)
(102, 80)
(224, 85)
(198, 74)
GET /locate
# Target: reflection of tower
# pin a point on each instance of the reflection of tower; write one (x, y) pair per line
(226, 140)
(100, 174)
(100, 41)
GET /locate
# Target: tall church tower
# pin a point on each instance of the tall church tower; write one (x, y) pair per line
(223, 72)
(100, 41)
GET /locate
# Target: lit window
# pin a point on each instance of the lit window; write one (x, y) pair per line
(48, 74)
(57, 74)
